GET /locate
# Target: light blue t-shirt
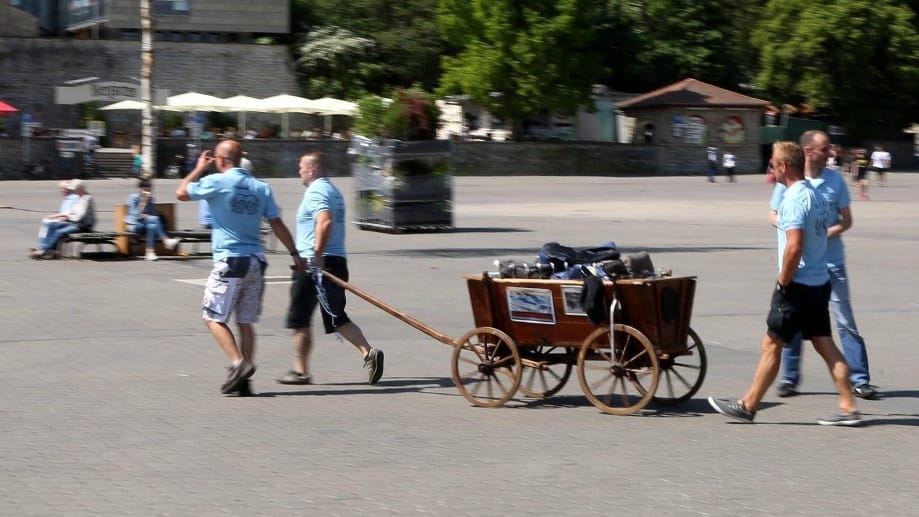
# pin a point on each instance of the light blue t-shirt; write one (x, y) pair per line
(319, 196)
(803, 208)
(832, 186)
(204, 214)
(69, 201)
(237, 202)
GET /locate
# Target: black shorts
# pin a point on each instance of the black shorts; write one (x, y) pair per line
(303, 299)
(802, 308)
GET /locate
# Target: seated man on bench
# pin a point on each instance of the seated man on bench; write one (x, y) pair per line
(143, 220)
(82, 218)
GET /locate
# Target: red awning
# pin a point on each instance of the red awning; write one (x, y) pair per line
(6, 108)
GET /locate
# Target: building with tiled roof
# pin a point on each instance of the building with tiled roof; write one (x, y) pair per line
(685, 118)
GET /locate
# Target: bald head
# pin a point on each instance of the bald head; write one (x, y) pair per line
(230, 154)
(816, 145)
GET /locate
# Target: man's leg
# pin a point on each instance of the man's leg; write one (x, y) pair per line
(56, 235)
(853, 345)
(839, 370)
(791, 362)
(303, 346)
(224, 337)
(352, 333)
(247, 340)
(766, 372)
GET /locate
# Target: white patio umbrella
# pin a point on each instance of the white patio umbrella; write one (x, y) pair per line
(286, 104)
(328, 106)
(124, 105)
(242, 104)
(193, 101)
(132, 105)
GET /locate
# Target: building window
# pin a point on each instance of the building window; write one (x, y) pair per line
(175, 7)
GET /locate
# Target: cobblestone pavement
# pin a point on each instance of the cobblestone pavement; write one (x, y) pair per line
(110, 402)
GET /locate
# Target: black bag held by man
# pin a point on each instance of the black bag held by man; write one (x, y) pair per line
(593, 299)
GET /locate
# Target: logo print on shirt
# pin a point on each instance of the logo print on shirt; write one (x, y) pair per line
(244, 204)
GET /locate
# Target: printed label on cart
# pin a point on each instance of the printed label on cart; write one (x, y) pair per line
(528, 305)
(572, 296)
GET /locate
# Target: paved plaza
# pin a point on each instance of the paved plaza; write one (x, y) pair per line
(109, 401)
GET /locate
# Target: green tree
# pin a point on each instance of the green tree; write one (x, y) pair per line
(855, 60)
(520, 58)
(406, 42)
(652, 43)
(335, 62)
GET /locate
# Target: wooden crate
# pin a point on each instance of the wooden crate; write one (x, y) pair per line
(661, 308)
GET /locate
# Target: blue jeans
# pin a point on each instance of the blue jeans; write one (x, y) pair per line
(56, 231)
(152, 227)
(853, 345)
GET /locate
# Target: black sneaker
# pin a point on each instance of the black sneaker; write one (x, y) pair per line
(786, 389)
(865, 391)
(732, 408)
(295, 377)
(245, 389)
(236, 375)
(373, 363)
(848, 419)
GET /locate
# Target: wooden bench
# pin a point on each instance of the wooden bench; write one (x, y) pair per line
(191, 236)
(131, 244)
(71, 246)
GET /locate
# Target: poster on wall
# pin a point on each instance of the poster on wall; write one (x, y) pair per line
(695, 130)
(530, 305)
(676, 125)
(732, 130)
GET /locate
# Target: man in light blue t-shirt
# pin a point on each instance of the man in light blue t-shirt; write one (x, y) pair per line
(801, 296)
(832, 187)
(237, 203)
(321, 239)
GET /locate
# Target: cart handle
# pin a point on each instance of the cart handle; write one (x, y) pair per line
(447, 340)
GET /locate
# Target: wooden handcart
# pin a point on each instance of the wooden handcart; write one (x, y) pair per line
(530, 334)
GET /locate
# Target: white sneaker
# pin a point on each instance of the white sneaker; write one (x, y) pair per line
(150, 256)
(170, 242)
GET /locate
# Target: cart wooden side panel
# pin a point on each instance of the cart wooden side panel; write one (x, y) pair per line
(532, 311)
(660, 308)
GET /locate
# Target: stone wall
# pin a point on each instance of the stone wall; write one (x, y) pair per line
(30, 69)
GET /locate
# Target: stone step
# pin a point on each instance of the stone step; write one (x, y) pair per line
(113, 162)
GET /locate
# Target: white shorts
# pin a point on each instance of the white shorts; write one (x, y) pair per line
(235, 285)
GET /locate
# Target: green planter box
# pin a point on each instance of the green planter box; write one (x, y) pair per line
(402, 186)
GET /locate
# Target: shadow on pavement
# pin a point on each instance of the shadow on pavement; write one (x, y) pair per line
(389, 385)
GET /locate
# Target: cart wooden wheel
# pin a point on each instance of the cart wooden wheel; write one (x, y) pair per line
(556, 363)
(486, 367)
(682, 375)
(618, 379)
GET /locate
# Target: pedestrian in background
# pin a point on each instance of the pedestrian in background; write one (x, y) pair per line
(712, 163)
(729, 161)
